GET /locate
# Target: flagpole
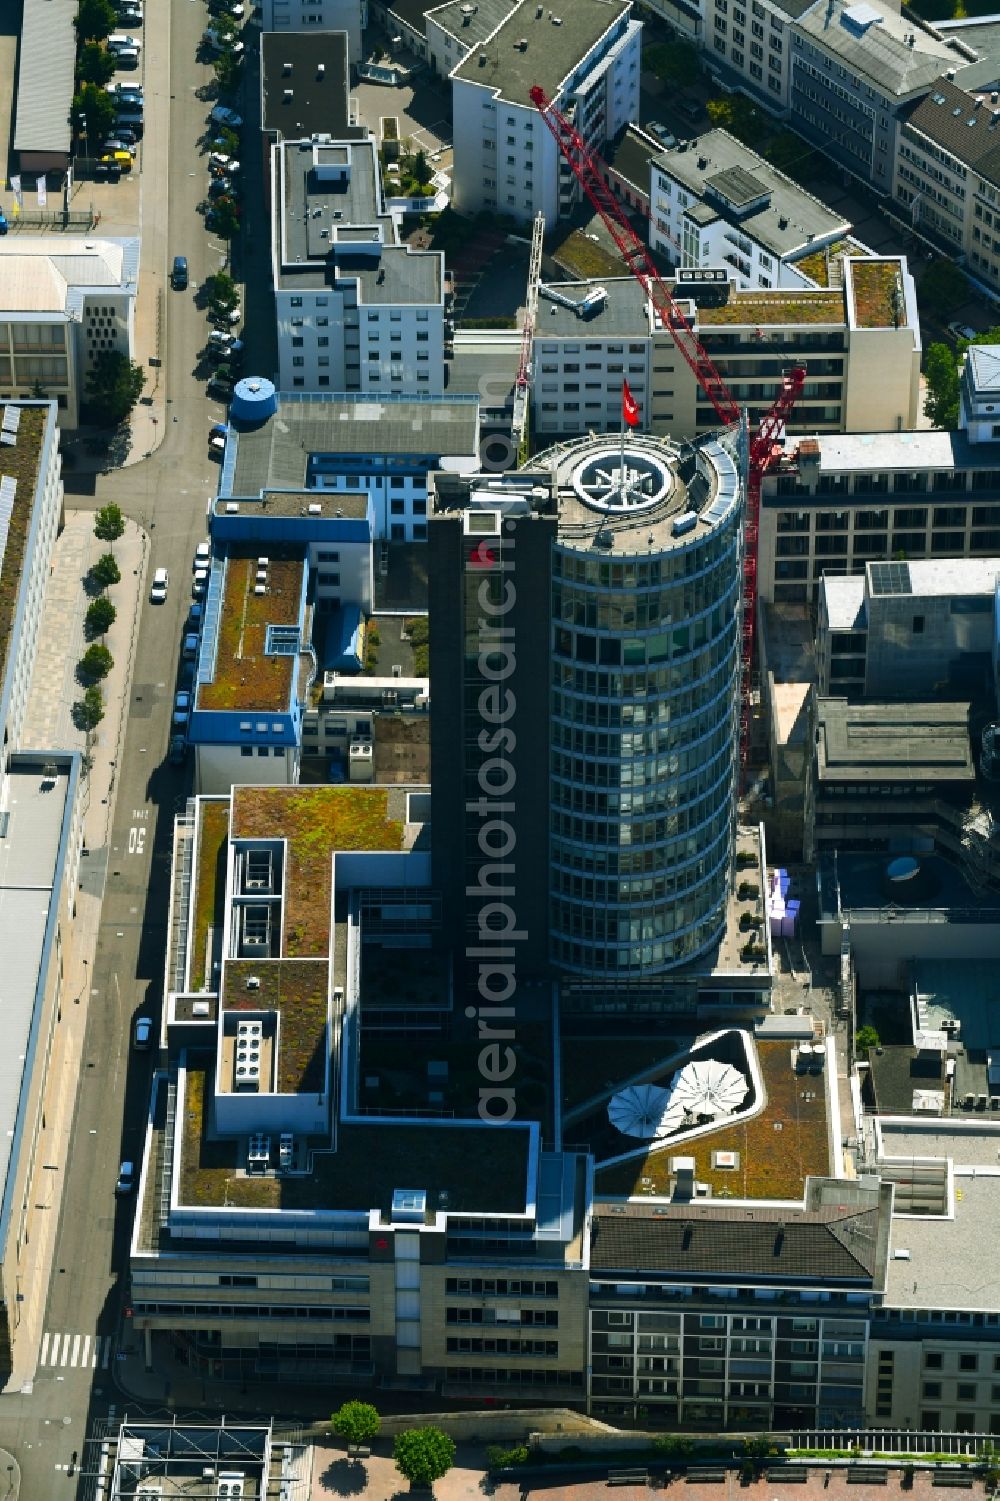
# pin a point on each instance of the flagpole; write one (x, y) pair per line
(622, 477)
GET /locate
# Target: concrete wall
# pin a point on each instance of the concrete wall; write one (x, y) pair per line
(220, 767)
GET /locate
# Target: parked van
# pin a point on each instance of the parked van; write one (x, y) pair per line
(119, 39)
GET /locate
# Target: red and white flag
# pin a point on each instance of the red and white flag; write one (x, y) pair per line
(630, 407)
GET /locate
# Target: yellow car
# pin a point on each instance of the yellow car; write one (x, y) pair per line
(120, 159)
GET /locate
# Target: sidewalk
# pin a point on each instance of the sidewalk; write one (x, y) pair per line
(49, 724)
(377, 1478)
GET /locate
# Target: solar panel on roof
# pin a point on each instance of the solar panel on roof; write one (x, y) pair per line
(11, 419)
(9, 438)
(8, 489)
(890, 578)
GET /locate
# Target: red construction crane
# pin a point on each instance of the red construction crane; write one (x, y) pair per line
(587, 168)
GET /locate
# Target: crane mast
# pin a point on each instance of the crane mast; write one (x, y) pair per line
(522, 385)
(763, 444)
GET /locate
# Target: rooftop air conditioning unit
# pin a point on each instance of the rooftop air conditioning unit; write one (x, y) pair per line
(253, 982)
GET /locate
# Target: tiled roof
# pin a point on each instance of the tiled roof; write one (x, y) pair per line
(824, 1243)
(944, 117)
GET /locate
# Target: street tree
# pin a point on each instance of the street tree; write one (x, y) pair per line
(225, 217)
(941, 376)
(423, 1455)
(96, 662)
(114, 385)
(942, 289)
(90, 709)
(106, 571)
(221, 292)
(95, 64)
(95, 20)
(228, 72)
(109, 523)
(101, 616)
(93, 114)
(356, 1422)
(865, 1038)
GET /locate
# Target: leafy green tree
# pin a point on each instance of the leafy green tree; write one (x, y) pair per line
(95, 20)
(942, 289)
(95, 64)
(93, 114)
(96, 662)
(675, 62)
(941, 375)
(100, 617)
(356, 1422)
(90, 709)
(114, 385)
(228, 71)
(225, 217)
(106, 571)
(422, 169)
(227, 141)
(222, 293)
(423, 1455)
(865, 1038)
(739, 116)
(109, 523)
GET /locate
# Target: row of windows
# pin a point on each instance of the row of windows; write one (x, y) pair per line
(501, 1287)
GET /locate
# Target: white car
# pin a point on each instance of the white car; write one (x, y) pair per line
(220, 162)
(120, 41)
(200, 582)
(182, 709)
(203, 555)
(228, 117)
(219, 339)
(158, 592)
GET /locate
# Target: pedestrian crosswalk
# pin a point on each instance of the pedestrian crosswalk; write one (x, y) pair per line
(83, 1351)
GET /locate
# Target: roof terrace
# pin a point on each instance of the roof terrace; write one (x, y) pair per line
(776, 1150)
(297, 991)
(776, 308)
(471, 1168)
(18, 461)
(879, 299)
(245, 675)
(316, 822)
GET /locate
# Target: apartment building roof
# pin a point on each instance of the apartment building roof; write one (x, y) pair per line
(771, 308)
(312, 67)
(937, 1261)
(844, 597)
(326, 229)
(965, 125)
(873, 40)
(934, 577)
(876, 290)
(485, 365)
(277, 454)
(557, 40)
(879, 742)
(625, 313)
(739, 186)
(982, 365)
(244, 675)
(835, 1243)
(470, 24)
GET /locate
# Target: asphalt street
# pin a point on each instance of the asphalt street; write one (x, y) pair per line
(167, 494)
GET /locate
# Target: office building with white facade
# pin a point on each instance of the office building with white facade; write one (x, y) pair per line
(318, 446)
(858, 338)
(585, 56)
(835, 503)
(856, 70)
(63, 303)
(947, 176)
(356, 310)
(979, 394)
(714, 202)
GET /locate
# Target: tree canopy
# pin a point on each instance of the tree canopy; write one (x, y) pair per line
(114, 385)
(423, 1455)
(95, 64)
(356, 1422)
(109, 523)
(95, 20)
(941, 376)
(93, 113)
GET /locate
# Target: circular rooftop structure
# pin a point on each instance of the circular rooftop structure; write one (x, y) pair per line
(254, 400)
(617, 483)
